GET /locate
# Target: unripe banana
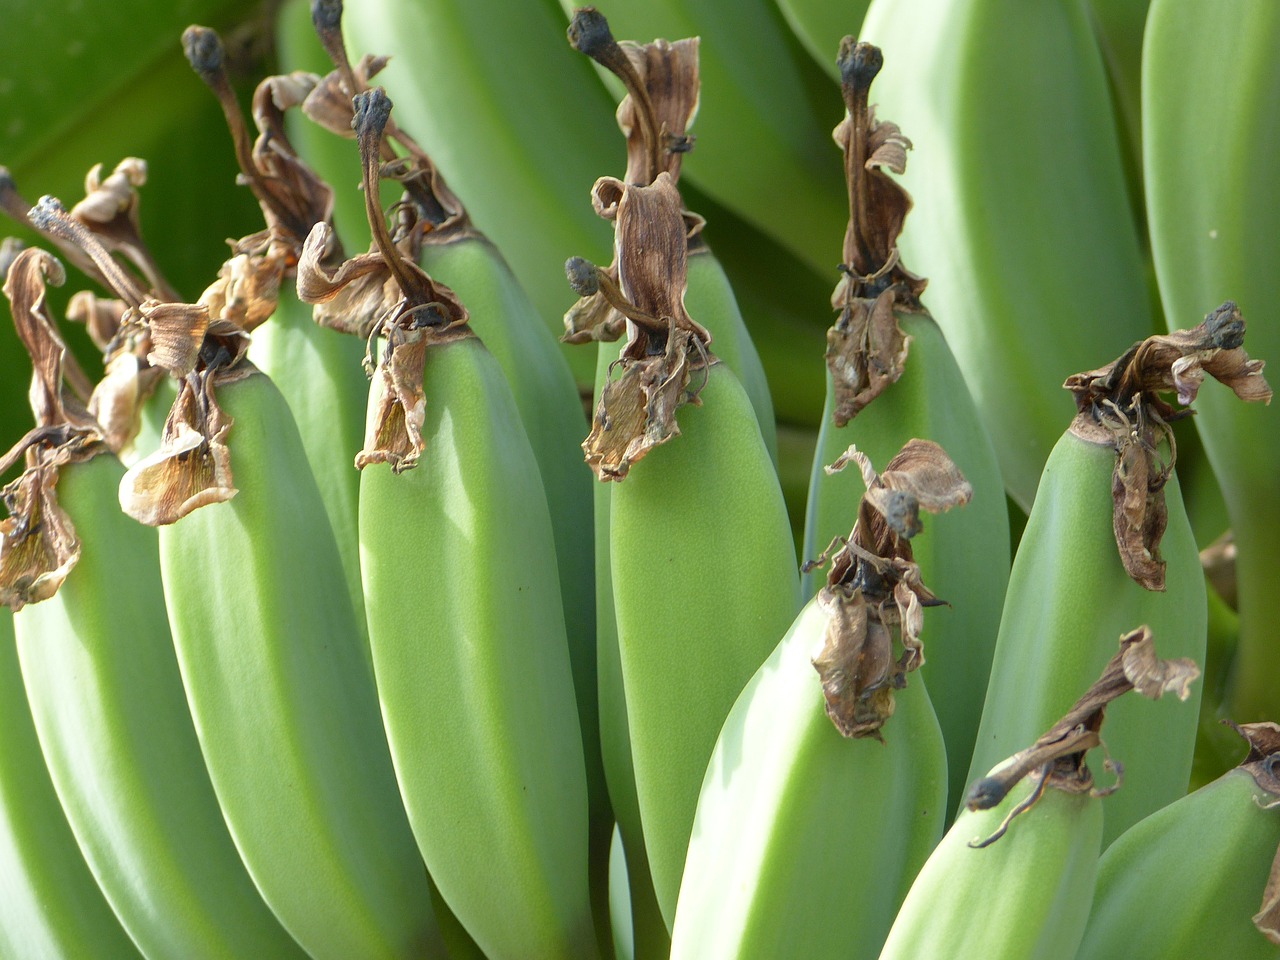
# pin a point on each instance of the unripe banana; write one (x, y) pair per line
(1026, 894)
(805, 843)
(102, 680)
(1213, 212)
(50, 905)
(883, 332)
(278, 681)
(1017, 180)
(1186, 882)
(474, 677)
(1089, 564)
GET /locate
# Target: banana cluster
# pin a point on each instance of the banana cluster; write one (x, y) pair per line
(451, 578)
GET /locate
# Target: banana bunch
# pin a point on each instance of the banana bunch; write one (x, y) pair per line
(421, 577)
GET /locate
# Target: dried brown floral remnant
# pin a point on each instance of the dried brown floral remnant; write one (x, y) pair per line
(384, 293)
(874, 594)
(1120, 405)
(38, 543)
(1057, 758)
(665, 359)
(662, 84)
(1263, 764)
(866, 348)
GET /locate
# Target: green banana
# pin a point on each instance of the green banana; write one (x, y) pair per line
(50, 905)
(820, 836)
(1186, 882)
(503, 100)
(1028, 894)
(1213, 210)
(762, 141)
(1023, 223)
(474, 679)
(881, 320)
(103, 684)
(1090, 561)
(317, 370)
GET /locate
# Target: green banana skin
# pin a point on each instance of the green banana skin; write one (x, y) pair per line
(819, 837)
(704, 583)
(278, 681)
(1024, 897)
(1068, 599)
(1184, 883)
(762, 135)
(1213, 211)
(50, 905)
(108, 704)
(473, 667)
(320, 374)
(965, 557)
(522, 154)
(1022, 220)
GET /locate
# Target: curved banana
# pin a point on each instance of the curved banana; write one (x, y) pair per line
(103, 684)
(50, 905)
(883, 331)
(1022, 220)
(1213, 211)
(820, 834)
(1014, 876)
(472, 664)
(1187, 881)
(1092, 559)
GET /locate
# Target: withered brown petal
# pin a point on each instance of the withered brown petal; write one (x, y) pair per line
(1139, 514)
(191, 469)
(351, 297)
(329, 103)
(247, 289)
(650, 244)
(101, 316)
(855, 665)
(118, 399)
(866, 352)
(669, 73)
(1267, 919)
(1153, 677)
(177, 333)
(397, 408)
(636, 413)
(923, 469)
(38, 542)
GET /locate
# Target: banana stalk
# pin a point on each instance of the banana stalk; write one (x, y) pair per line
(683, 661)
(892, 376)
(1023, 223)
(985, 895)
(1213, 210)
(103, 683)
(821, 835)
(474, 678)
(1092, 559)
(50, 905)
(1187, 881)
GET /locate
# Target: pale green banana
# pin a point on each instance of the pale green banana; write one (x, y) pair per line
(1090, 561)
(1022, 220)
(278, 681)
(473, 674)
(805, 843)
(1014, 876)
(1025, 897)
(965, 560)
(108, 702)
(50, 905)
(1211, 128)
(1068, 598)
(1185, 883)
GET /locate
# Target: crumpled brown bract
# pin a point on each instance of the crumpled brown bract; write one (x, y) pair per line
(38, 543)
(248, 286)
(866, 348)
(1120, 405)
(353, 296)
(874, 594)
(1057, 758)
(663, 89)
(666, 348)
